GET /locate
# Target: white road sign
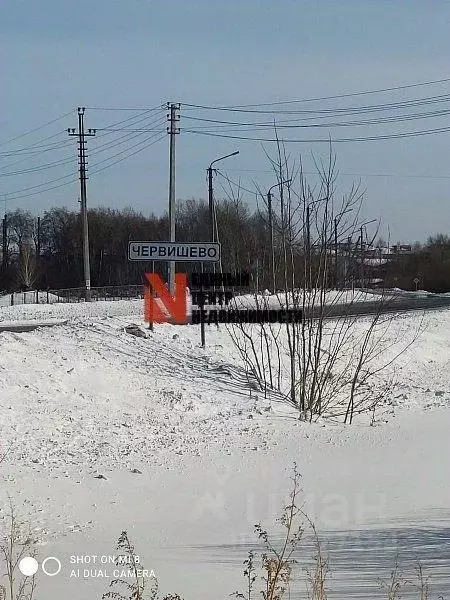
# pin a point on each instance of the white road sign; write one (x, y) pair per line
(174, 251)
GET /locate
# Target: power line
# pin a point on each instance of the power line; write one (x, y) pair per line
(94, 172)
(53, 187)
(18, 195)
(68, 160)
(123, 152)
(318, 99)
(137, 118)
(231, 182)
(340, 173)
(323, 140)
(340, 111)
(128, 137)
(292, 124)
(161, 106)
(31, 150)
(39, 168)
(17, 137)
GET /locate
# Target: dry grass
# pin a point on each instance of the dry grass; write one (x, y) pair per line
(14, 545)
(269, 575)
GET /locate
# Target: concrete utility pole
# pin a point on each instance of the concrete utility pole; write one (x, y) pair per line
(173, 117)
(270, 211)
(38, 236)
(336, 264)
(272, 249)
(362, 258)
(210, 170)
(308, 247)
(5, 241)
(38, 241)
(211, 204)
(82, 134)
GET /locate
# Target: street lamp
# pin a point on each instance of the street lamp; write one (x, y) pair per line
(269, 208)
(210, 191)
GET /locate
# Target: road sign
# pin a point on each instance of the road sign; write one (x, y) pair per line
(174, 251)
(416, 280)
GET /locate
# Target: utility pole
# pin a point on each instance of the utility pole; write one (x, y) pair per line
(38, 235)
(38, 249)
(336, 266)
(211, 204)
(308, 247)
(212, 221)
(82, 134)
(362, 258)
(211, 192)
(173, 117)
(269, 208)
(5, 241)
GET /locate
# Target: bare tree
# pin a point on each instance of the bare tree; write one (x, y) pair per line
(324, 364)
(27, 266)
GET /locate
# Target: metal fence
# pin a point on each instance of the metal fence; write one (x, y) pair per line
(123, 292)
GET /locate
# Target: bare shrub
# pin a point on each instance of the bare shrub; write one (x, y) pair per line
(325, 363)
(137, 589)
(16, 543)
(278, 562)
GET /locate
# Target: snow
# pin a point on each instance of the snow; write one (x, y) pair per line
(192, 457)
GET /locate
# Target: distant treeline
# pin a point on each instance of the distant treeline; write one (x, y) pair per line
(46, 253)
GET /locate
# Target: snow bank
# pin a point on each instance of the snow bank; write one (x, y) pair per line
(190, 456)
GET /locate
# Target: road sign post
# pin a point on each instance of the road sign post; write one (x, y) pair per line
(175, 252)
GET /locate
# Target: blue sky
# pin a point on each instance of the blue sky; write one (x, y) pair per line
(57, 55)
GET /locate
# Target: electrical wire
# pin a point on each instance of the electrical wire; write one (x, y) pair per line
(340, 173)
(132, 154)
(161, 106)
(17, 137)
(323, 140)
(320, 99)
(123, 151)
(32, 150)
(39, 168)
(71, 159)
(231, 182)
(128, 137)
(292, 124)
(412, 103)
(17, 195)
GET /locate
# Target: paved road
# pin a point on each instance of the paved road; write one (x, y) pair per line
(397, 304)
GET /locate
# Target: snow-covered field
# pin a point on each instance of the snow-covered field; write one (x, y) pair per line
(106, 432)
(265, 299)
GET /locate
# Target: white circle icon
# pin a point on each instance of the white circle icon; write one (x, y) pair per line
(28, 566)
(44, 565)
